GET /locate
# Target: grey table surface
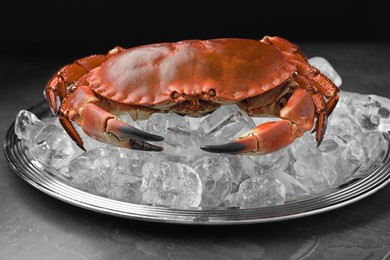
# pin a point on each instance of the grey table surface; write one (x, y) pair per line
(34, 225)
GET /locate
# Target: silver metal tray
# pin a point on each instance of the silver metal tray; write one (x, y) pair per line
(35, 174)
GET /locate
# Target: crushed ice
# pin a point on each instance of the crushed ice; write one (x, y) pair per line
(184, 176)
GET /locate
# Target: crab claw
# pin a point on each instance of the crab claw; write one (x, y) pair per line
(263, 139)
(82, 107)
(297, 117)
(103, 126)
(124, 131)
(131, 137)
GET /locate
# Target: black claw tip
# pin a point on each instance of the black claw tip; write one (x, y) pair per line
(132, 132)
(231, 147)
(144, 146)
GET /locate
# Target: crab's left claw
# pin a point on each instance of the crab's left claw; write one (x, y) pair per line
(297, 117)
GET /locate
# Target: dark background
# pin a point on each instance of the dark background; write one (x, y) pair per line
(75, 28)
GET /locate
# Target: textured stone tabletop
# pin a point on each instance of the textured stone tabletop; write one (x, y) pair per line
(34, 225)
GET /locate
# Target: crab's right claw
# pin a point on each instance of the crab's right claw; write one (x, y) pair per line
(297, 117)
(81, 107)
(263, 139)
(105, 127)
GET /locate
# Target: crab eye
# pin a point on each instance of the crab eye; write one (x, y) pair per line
(212, 92)
(283, 100)
(174, 95)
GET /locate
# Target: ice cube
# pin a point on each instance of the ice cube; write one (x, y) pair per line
(341, 123)
(372, 112)
(81, 169)
(315, 167)
(236, 166)
(88, 142)
(27, 125)
(291, 161)
(350, 157)
(231, 200)
(125, 186)
(174, 128)
(224, 124)
(106, 165)
(171, 184)
(93, 169)
(294, 189)
(327, 69)
(260, 191)
(140, 124)
(196, 142)
(132, 161)
(216, 176)
(256, 165)
(102, 152)
(194, 122)
(52, 147)
(374, 145)
(307, 141)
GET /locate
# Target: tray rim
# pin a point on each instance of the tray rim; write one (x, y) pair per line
(39, 177)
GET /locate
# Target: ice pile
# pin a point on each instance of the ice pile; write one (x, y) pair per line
(184, 176)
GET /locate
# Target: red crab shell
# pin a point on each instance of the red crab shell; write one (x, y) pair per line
(234, 68)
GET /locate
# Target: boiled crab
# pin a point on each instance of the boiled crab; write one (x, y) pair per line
(194, 77)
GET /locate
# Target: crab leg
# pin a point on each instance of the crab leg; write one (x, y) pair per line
(58, 85)
(82, 107)
(297, 117)
(320, 85)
